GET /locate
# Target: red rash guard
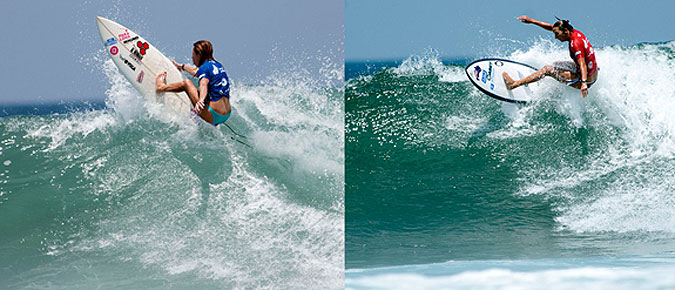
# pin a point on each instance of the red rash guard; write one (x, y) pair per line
(580, 47)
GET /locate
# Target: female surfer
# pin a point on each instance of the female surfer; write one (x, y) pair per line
(214, 85)
(580, 74)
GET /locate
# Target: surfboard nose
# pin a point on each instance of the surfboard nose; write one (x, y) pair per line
(99, 22)
(100, 19)
(102, 22)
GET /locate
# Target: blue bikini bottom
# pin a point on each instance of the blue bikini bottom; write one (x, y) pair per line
(218, 118)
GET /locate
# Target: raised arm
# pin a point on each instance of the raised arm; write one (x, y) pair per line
(542, 24)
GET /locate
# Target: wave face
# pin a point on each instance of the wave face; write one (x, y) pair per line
(130, 196)
(438, 171)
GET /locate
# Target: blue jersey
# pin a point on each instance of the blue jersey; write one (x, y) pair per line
(219, 84)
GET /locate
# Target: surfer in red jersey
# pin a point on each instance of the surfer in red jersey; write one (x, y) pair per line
(580, 74)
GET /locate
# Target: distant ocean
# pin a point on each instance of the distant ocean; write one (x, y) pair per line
(447, 188)
(123, 195)
(48, 108)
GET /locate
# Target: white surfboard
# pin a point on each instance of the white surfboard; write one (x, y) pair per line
(486, 75)
(140, 62)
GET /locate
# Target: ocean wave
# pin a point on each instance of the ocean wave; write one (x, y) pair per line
(572, 167)
(165, 196)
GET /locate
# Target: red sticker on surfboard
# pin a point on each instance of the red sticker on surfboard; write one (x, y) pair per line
(139, 79)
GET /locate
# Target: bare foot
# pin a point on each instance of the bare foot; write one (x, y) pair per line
(160, 81)
(508, 81)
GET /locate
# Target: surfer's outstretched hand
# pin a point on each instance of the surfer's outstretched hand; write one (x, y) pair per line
(525, 19)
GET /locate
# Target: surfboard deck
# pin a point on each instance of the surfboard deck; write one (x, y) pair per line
(140, 62)
(486, 75)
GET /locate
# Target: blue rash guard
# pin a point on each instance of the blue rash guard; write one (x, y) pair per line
(218, 87)
(219, 83)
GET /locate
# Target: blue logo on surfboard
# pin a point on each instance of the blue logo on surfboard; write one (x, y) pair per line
(476, 72)
(110, 41)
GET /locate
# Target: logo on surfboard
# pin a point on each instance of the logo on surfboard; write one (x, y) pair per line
(131, 39)
(139, 79)
(124, 36)
(114, 50)
(128, 63)
(481, 75)
(110, 41)
(489, 78)
(139, 50)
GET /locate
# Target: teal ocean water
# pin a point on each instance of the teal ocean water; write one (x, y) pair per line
(449, 188)
(123, 195)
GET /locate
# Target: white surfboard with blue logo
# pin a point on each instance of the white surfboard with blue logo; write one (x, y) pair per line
(486, 75)
(140, 62)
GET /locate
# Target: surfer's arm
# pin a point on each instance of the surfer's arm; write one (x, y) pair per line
(583, 71)
(189, 69)
(542, 24)
(203, 92)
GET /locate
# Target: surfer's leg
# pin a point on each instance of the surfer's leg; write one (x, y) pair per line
(191, 90)
(564, 76)
(572, 77)
(183, 86)
(511, 84)
(508, 81)
(568, 72)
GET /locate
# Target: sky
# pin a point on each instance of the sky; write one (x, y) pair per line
(394, 29)
(51, 50)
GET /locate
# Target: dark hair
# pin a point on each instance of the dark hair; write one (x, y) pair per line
(563, 24)
(204, 51)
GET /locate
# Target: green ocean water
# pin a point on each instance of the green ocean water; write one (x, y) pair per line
(435, 171)
(126, 196)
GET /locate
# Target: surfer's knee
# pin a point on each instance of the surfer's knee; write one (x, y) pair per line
(187, 84)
